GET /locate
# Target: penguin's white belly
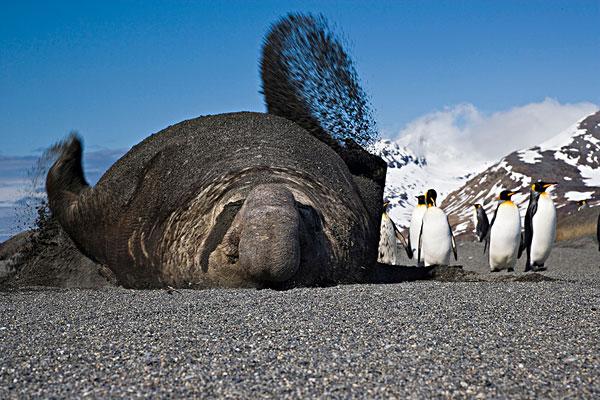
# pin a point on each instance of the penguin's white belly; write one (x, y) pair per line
(415, 228)
(436, 244)
(389, 251)
(505, 238)
(544, 230)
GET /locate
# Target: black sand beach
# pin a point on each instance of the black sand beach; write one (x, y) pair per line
(538, 336)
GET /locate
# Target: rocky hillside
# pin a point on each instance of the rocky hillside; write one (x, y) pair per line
(572, 159)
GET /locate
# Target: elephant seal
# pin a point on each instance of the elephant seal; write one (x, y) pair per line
(236, 200)
(288, 198)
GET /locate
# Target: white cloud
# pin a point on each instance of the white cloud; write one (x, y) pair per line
(464, 135)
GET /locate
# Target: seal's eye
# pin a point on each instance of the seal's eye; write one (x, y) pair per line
(310, 217)
(220, 228)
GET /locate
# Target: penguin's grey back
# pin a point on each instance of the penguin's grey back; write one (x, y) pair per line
(482, 223)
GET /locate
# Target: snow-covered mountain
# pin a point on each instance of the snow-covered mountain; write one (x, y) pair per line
(410, 175)
(572, 159)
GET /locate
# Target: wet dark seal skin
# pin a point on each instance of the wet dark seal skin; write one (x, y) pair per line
(234, 200)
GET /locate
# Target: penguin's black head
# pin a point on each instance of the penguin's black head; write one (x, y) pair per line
(541, 186)
(386, 204)
(505, 195)
(421, 199)
(581, 204)
(431, 197)
(477, 206)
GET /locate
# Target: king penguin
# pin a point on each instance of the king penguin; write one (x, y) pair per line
(436, 241)
(540, 226)
(505, 234)
(480, 219)
(415, 225)
(389, 235)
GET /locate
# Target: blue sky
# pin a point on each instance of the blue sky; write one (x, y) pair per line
(118, 71)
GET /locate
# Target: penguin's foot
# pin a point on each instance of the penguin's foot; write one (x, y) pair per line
(535, 267)
(511, 270)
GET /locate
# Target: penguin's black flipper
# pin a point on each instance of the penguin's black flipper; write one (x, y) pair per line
(521, 246)
(401, 239)
(454, 250)
(531, 210)
(420, 243)
(494, 218)
(409, 251)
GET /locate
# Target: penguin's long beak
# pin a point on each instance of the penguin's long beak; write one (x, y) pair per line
(512, 194)
(547, 185)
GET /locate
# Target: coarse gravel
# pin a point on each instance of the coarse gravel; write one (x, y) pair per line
(424, 339)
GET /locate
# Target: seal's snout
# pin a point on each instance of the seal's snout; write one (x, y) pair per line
(269, 247)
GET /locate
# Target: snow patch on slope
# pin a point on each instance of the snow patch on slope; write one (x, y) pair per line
(565, 157)
(577, 196)
(530, 156)
(591, 176)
